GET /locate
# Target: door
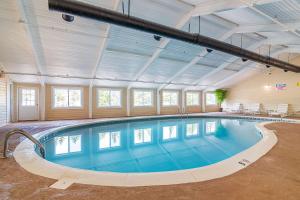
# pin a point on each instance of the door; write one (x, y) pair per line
(28, 104)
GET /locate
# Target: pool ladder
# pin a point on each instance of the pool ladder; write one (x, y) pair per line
(27, 135)
(182, 113)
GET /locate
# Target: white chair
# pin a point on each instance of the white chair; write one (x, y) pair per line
(237, 108)
(254, 109)
(282, 110)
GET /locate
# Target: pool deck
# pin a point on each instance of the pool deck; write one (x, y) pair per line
(275, 176)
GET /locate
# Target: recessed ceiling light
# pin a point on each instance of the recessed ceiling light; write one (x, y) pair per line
(209, 50)
(68, 18)
(157, 37)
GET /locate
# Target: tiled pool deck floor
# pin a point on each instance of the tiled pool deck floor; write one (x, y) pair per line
(275, 176)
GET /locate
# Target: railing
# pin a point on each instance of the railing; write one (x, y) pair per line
(182, 113)
(27, 135)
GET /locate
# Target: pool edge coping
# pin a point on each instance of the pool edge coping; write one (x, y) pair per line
(27, 158)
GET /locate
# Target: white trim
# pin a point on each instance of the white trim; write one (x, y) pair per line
(26, 156)
(37, 103)
(68, 88)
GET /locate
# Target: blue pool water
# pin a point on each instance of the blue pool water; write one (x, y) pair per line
(151, 145)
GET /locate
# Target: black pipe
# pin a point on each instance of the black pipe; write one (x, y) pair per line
(113, 17)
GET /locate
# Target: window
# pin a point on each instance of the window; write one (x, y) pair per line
(170, 98)
(210, 99)
(67, 97)
(109, 98)
(192, 99)
(109, 139)
(210, 127)
(169, 132)
(67, 144)
(142, 135)
(28, 97)
(143, 98)
(192, 129)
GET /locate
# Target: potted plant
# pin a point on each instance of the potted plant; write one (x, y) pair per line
(220, 97)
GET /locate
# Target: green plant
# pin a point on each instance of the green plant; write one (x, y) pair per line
(220, 95)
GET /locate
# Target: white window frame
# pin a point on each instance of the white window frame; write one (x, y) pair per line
(110, 89)
(68, 88)
(170, 91)
(35, 96)
(206, 100)
(143, 90)
(186, 98)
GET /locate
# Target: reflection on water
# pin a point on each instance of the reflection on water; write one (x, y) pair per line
(169, 132)
(192, 129)
(142, 135)
(109, 139)
(151, 145)
(67, 144)
(210, 127)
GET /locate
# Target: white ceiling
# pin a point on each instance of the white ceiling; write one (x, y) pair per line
(34, 40)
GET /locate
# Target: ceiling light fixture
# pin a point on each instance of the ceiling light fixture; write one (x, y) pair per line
(209, 50)
(157, 37)
(68, 18)
(244, 59)
(268, 66)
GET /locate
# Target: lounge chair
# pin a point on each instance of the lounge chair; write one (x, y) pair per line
(282, 110)
(237, 108)
(253, 109)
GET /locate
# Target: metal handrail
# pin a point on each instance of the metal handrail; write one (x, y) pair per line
(27, 135)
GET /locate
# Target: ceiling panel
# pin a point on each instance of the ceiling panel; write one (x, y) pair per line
(162, 69)
(120, 64)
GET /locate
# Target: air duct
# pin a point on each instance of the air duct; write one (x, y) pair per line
(101, 14)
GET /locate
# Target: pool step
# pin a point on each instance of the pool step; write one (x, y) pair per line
(63, 183)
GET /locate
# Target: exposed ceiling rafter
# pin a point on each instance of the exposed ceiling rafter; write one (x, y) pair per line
(103, 46)
(196, 59)
(38, 58)
(245, 69)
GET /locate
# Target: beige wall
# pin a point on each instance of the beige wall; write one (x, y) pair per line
(110, 112)
(83, 113)
(3, 103)
(62, 113)
(253, 90)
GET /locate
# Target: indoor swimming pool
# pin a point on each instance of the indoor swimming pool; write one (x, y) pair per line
(151, 145)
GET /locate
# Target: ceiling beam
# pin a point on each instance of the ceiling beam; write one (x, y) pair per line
(196, 59)
(38, 58)
(103, 46)
(267, 28)
(226, 64)
(251, 6)
(243, 70)
(204, 8)
(161, 46)
(213, 6)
